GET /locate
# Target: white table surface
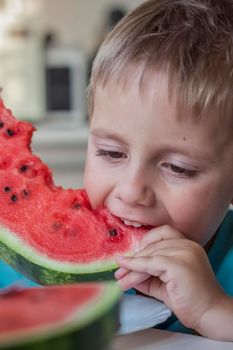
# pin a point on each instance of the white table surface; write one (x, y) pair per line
(153, 339)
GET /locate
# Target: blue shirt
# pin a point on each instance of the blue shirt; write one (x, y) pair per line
(8, 276)
(221, 259)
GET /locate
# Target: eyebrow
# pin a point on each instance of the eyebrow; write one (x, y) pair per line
(98, 132)
(194, 153)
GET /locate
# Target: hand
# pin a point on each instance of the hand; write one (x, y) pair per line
(175, 270)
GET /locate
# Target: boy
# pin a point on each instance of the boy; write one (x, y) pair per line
(160, 151)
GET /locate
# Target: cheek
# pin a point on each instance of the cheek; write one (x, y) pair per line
(94, 182)
(198, 214)
(90, 183)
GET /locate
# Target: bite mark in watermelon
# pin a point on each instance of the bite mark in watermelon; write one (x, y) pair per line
(78, 316)
(48, 233)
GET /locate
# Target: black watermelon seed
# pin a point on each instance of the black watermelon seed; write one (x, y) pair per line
(56, 226)
(112, 232)
(7, 189)
(1, 125)
(10, 132)
(14, 198)
(23, 168)
(25, 193)
(76, 205)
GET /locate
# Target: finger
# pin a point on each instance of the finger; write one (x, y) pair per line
(132, 279)
(144, 283)
(175, 241)
(164, 267)
(158, 234)
(152, 287)
(144, 264)
(166, 247)
(121, 272)
(151, 249)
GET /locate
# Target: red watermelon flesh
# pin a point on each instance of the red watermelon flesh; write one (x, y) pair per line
(35, 307)
(83, 315)
(56, 222)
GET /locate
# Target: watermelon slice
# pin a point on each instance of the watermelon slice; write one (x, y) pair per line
(78, 316)
(48, 233)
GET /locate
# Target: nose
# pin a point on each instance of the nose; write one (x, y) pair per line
(134, 189)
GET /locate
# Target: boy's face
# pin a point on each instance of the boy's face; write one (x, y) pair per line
(149, 167)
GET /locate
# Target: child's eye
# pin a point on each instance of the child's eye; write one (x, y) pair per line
(179, 171)
(111, 154)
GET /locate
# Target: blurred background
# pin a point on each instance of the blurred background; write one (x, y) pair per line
(46, 51)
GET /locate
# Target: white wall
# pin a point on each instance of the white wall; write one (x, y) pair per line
(79, 22)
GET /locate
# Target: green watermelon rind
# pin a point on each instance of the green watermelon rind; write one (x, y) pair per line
(96, 323)
(45, 270)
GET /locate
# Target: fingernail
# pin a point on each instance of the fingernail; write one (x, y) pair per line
(117, 274)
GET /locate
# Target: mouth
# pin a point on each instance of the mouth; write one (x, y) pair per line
(135, 224)
(131, 223)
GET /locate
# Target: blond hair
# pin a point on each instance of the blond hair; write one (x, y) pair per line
(191, 39)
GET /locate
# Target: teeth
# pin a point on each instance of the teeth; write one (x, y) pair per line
(130, 223)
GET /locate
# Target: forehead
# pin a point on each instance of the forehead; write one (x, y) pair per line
(155, 86)
(134, 87)
(144, 84)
